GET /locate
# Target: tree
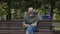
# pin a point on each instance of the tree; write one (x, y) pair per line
(58, 5)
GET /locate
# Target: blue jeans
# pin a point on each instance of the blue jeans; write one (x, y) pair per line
(30, 29)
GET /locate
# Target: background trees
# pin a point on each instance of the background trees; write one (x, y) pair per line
(14, 9)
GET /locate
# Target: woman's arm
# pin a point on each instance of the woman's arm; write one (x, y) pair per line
(35, 21)
(34, 24)
(25, 25)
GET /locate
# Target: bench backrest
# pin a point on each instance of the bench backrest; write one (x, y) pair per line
(17, 25)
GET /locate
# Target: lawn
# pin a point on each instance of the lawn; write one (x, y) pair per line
(56, 26)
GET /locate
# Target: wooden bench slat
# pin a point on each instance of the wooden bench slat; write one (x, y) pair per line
(17, 25)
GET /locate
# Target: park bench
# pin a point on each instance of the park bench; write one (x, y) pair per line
(15, 27)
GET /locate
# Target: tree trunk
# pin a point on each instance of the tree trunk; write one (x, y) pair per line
(9, 11)
(52, 7)
(51, 13)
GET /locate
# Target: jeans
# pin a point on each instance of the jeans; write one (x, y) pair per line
(30, 29)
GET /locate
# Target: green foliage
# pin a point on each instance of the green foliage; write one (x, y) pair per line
(58, 5)
(21, 6)
(3, 10)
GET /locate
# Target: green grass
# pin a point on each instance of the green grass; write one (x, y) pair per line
(56, 26)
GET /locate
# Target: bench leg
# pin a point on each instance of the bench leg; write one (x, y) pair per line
(51, 28)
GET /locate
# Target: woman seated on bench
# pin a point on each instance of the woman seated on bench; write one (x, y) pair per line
(30, 21)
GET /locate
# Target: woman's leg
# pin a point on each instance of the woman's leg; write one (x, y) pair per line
(29, 30)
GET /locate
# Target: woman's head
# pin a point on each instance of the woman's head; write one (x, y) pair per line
(30, 10)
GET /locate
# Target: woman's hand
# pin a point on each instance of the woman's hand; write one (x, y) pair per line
(25, 25)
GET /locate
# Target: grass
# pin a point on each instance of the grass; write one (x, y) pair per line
(56, 26)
